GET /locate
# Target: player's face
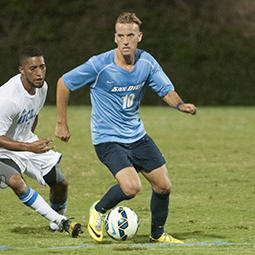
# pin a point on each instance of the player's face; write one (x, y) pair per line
(127, 37)
(33, 71)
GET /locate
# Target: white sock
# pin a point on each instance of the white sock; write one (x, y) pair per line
(60, 208)
(35, 201)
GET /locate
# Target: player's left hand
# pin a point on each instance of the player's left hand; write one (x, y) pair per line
(188, 108)
(40, 146)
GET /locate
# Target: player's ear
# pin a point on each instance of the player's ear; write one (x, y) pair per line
(140, 36)
(115, 35)
(21, 69)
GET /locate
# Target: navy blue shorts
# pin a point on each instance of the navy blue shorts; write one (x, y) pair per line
(142, 155)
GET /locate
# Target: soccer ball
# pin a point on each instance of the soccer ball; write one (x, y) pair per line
(121, 223)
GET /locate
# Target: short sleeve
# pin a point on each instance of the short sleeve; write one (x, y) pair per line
(159, 81)
(81, 75)
(7, 115)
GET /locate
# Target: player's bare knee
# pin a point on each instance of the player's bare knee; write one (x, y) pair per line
(58, 191)
(17, 184)
(132, 189)
(163, 189)
(167, 186)
(60, 187)
(166, 189)
(63, 185)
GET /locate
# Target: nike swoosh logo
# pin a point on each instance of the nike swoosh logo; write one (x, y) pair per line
(97, 235)
(109, 82)
(113, 231)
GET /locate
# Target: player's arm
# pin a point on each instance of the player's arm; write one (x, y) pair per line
(34, 124)
(62, 131)
(174, 100)
(39, 146)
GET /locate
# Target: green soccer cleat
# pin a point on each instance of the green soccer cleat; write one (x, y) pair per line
(95, 226)
(166, 238)
(73, 228)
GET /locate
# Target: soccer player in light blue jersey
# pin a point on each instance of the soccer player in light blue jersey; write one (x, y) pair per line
(118, 79)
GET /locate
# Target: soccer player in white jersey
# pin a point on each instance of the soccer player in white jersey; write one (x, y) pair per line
(21, 151)
(117, 81)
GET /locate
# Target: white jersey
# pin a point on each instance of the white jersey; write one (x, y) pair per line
(18, 110)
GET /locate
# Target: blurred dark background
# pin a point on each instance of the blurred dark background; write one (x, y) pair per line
(205, 46)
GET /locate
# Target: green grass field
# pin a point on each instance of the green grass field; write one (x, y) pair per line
(210, 158)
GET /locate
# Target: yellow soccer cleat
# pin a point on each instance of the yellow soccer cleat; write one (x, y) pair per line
(95, 226)
(73, 228)
(166, 238)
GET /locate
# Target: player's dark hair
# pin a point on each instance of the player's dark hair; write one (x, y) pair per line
(29, 52)
(129, 17)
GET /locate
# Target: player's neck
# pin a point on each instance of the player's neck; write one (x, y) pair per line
(27, 86)
(125, 62)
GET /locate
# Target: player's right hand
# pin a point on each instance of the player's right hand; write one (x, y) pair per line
(40, 146)
(62, 132)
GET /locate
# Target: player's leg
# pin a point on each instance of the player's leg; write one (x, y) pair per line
(147, 155)
(58, 192)
(26, 195)
(161, 187)
(29, 197)
(114, 156)
(128, 186)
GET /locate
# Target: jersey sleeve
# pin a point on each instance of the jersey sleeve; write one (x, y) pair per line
(7, 114)
(159, 81)
(81, 75)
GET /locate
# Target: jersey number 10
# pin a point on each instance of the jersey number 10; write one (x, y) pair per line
(128, 100)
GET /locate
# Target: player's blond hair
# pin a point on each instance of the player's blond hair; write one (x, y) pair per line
(128, 17)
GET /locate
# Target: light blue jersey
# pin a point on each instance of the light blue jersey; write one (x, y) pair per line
(116, 94)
